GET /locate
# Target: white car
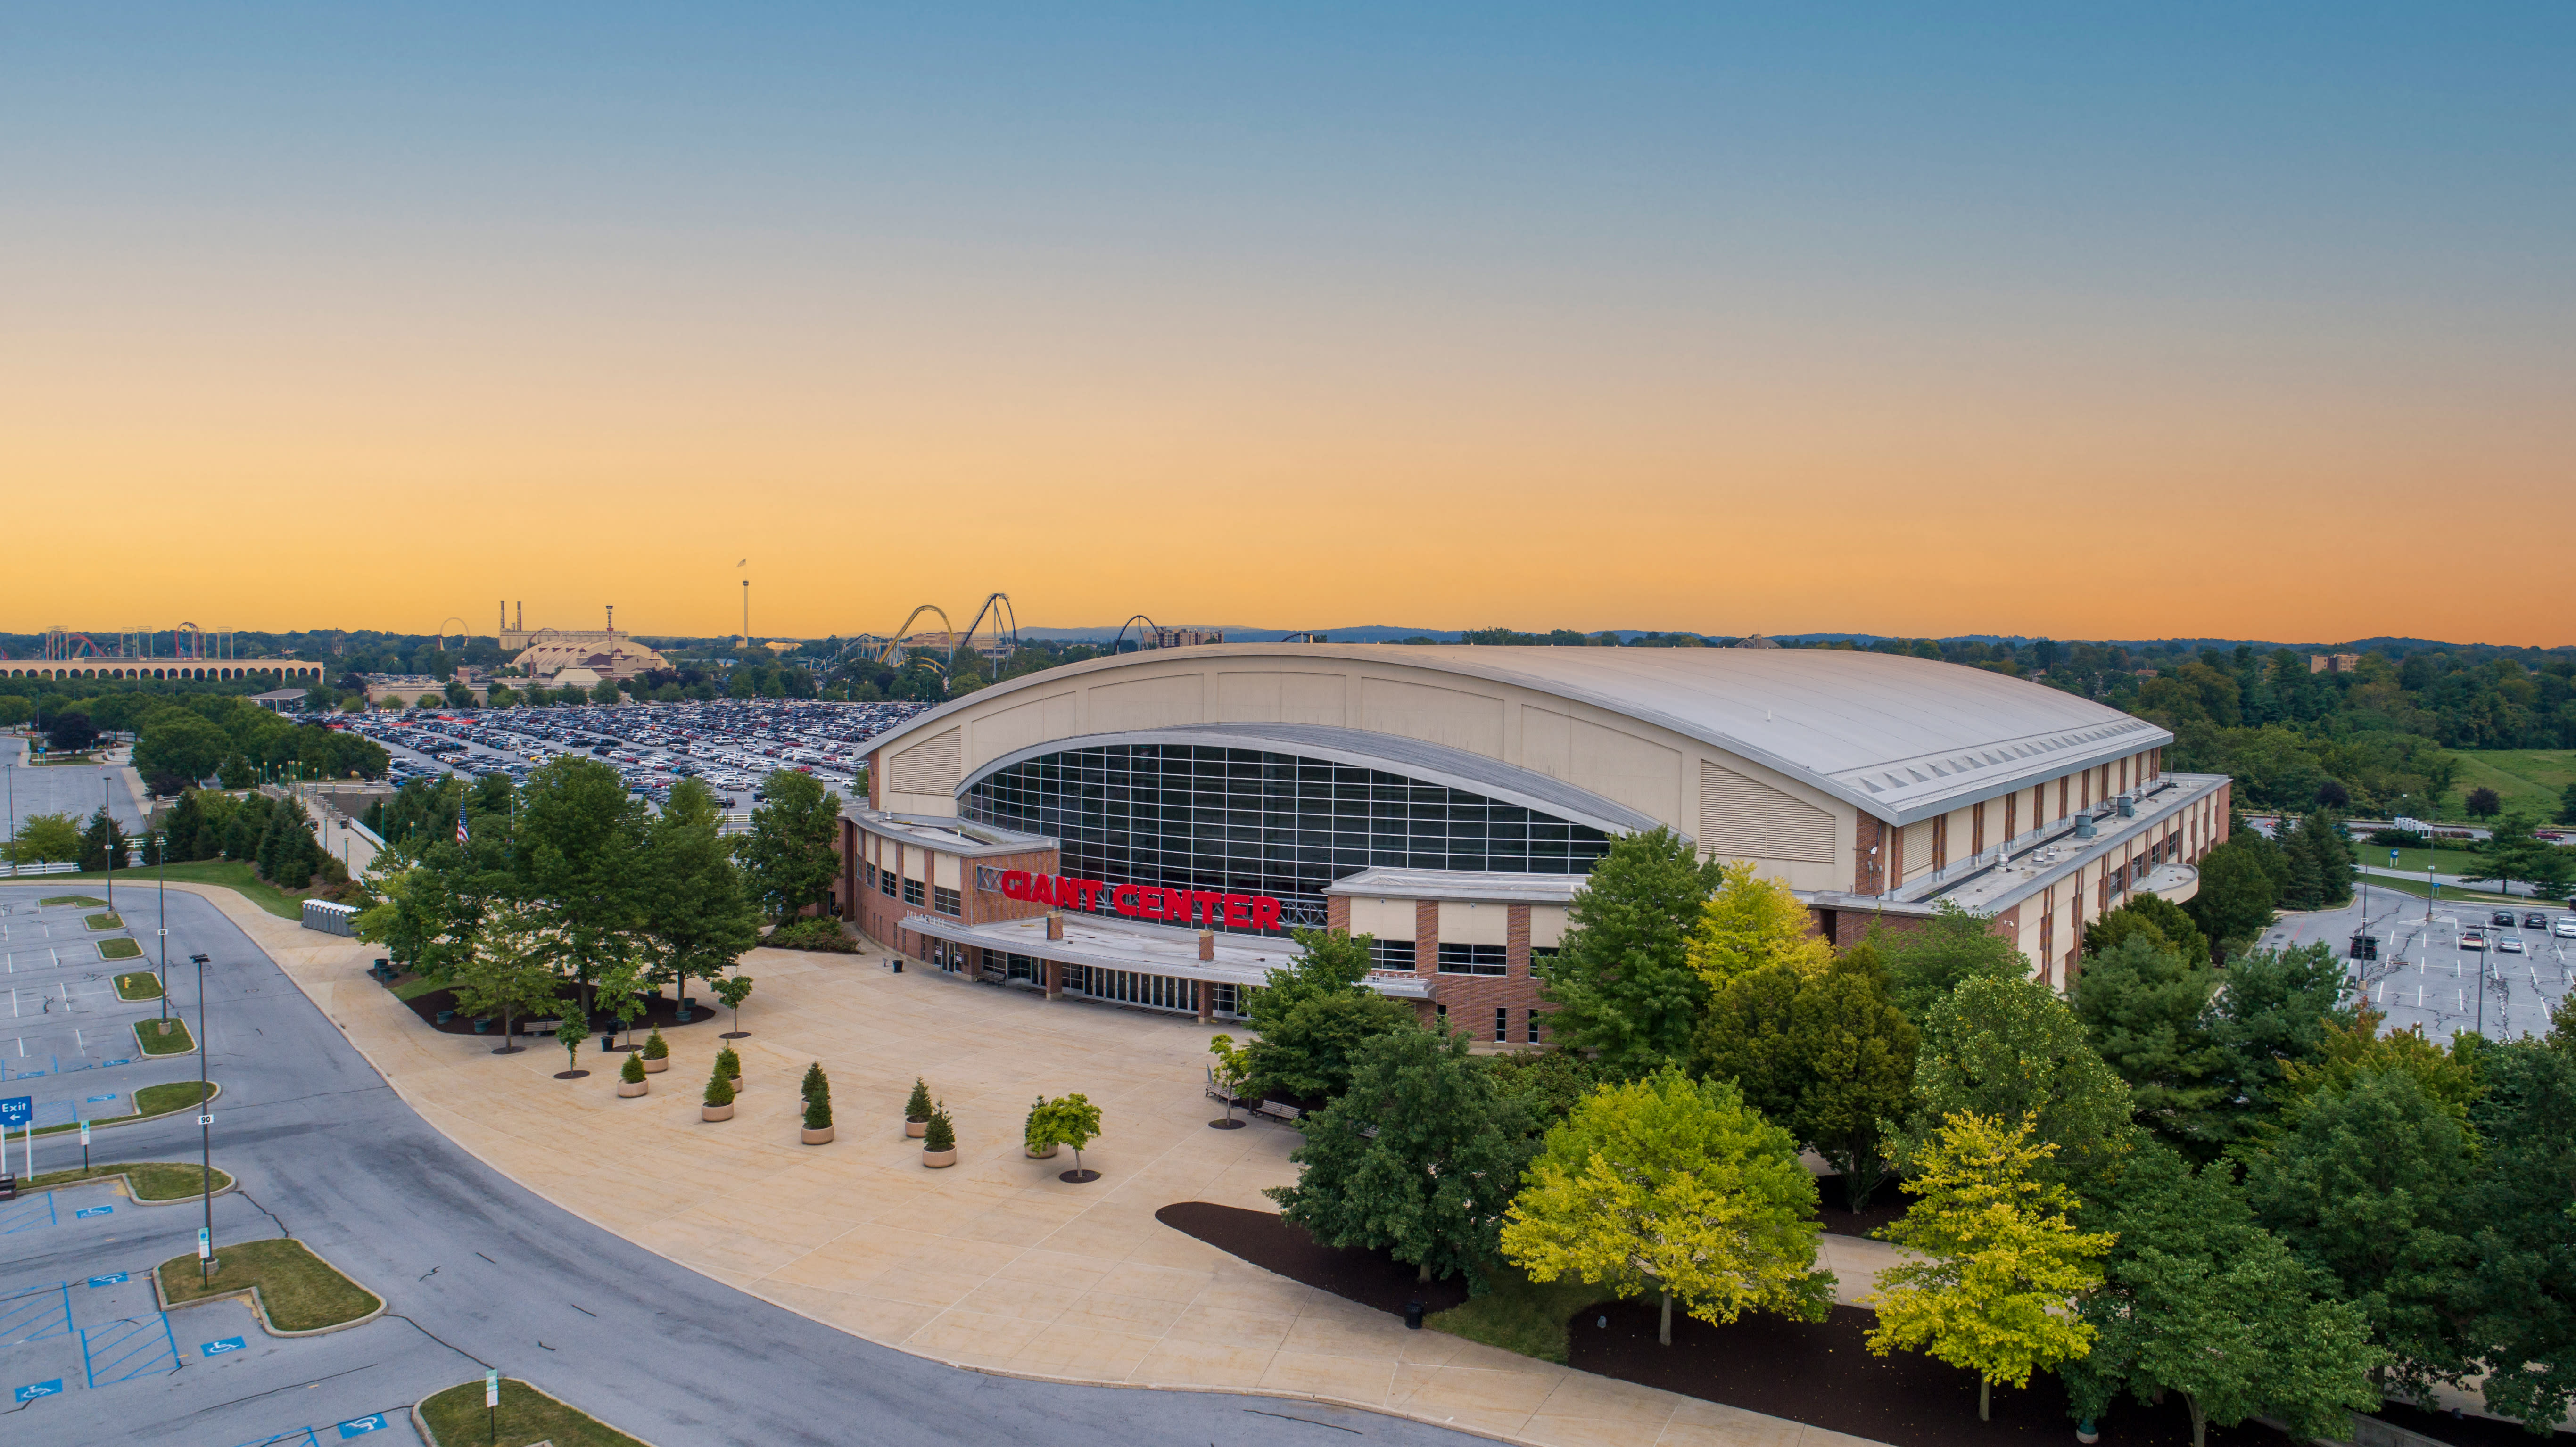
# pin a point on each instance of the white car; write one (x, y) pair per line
(2565, 929)
(2510, 944)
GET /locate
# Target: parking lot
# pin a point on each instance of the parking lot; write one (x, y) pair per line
(2428, 974)
(62, 1013)
(729, 745)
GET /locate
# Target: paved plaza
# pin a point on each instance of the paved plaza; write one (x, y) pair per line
(993, 1264)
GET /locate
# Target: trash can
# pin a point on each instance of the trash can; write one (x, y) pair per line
(1413, 1316)
(446, 1015)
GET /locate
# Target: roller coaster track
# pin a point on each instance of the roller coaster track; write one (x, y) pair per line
(1143, 639)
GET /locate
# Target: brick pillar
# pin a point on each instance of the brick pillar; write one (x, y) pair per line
(1206, 993)
(1426, 937)
(1055, 924)
(1337, 912)
(1054, 979)
(1207, 946)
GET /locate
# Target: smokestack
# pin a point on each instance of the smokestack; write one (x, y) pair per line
(505, 617)
(523, 616)
(612, 617)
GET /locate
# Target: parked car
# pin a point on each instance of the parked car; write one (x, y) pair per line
(2565, 929)
(2501, 919)
(2510, 944)
(2472, 940)
(2534, 919)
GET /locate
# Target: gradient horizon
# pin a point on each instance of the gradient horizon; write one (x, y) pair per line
(2006, 319)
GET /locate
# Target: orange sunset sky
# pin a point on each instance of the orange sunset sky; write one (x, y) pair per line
(1472, 317)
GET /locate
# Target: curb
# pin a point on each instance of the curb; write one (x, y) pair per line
(420, 1423)
(1271, 1392)
(214, 1092)
(259, 1308)
(231, 1184)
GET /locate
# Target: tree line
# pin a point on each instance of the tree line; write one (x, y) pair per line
(2226, 1183)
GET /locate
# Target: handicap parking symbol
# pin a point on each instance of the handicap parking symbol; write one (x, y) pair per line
(114, 1278)
(362, 1426)
(218, 1348)
(95, 1099)
(85, 1212)
(31, 1392)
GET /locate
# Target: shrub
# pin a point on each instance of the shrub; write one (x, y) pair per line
(728, 1064)
(1036, 1124)
(817, 933)
(719, 1089)
(632, 1072)
(917, 1106)
(818, 1110)
(941, 1136)
(655, 1048)
(813, 1084)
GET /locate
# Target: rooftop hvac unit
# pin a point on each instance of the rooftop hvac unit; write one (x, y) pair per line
(2128, 807)
(2084, 826)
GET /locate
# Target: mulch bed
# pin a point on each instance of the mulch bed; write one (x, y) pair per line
(1260, 1237)
(1886, 1204)
(1818, 1373)
(660, 1013)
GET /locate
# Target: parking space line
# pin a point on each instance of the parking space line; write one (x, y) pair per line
(36, 1314)
(291, 1437)
(23, 1218)
(139, 1346)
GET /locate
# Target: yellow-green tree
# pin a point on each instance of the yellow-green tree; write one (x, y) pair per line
(2000, 1264)
(1676, 1187)
(1752, 923)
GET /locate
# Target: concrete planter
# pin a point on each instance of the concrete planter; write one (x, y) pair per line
(812, 1137)
(629, 1089)
(656, 1067)
(936, 1159)
(1041, 1155)
(916, 1128)
(737, 1085)
(715, 1112)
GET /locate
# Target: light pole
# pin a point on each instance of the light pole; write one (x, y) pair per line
(110, 820)
(161, 893)
(205, 1124)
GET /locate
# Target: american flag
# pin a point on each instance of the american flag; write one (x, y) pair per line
(461, 836)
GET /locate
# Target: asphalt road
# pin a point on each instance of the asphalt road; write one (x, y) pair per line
(475, 1271)
(2423, 977)
(27, 789)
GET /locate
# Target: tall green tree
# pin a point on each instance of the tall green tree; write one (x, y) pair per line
(46, 839)
(2520, 1297)
(1622, 982)
(508, 968)
(178, 741)
(1678, 1188)
(698, 917)
(2145, 1008)
(1997, 1260)
(788, 853)
(2200, 1301)
(1312, 1017)
(2237, 895)
(2011, 1050)
(579, 864)
(1952, 947)
(104, 843)
(2276, 1012)
(1827, 1055)
(1419, 1158)
(2148, 914)
(2372, 1187)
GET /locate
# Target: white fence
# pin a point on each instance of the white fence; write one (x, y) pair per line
(29, 871)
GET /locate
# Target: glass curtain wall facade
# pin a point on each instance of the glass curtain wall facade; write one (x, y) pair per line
(1248, 821)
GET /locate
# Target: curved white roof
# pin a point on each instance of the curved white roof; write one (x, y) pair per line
(1899, 737)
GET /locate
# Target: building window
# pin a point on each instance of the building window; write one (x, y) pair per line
(1502, 1024)
(1533, 1027)
(868, 874)
(1471, 959)
(1391, 955)
(912, 891)
(1244, 821)
(947, 901)
(885, 884)
(1023, 968)
(1542, 960)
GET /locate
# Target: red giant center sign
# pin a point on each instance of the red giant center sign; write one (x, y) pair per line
(1145, 901)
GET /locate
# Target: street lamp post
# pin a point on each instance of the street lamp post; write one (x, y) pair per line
(205, 1124)
(109, 819)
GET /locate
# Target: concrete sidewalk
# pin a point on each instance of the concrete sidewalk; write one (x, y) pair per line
(993, 1264)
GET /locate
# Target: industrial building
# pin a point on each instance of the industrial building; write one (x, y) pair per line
(1145, 828)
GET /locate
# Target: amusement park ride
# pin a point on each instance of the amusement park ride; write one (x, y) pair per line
(187, 641)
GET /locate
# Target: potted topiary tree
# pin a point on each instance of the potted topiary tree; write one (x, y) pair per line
(1036, 1143)
(818, 1107)
(733, 990)
(569, 1035)
(938, 1139)
(657, 1053)
(630, 1078)
(916, 1110)
(1074, 1120)
(729, 1065)
(719, 1101)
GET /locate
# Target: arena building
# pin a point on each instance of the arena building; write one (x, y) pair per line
(1145, 828)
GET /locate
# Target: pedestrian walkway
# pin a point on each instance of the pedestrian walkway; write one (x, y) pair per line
(993, 1264)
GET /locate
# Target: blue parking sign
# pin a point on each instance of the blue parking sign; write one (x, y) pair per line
(34, 1390)
(218, 1348)
(16, 1109)
(362, 1426)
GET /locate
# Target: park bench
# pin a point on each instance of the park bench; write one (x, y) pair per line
(1284, 1114)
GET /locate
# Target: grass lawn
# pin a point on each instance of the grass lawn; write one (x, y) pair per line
(298, 1290)
(1519, 1315)
(414, 989)
(147, 1033)
(230, 873)
(151, 1180)
(2451, 893)
(104, 921)
(119, 949)
(61, 899)
(2529, 781)
(138, 985)
(456, 1419)
(151, 1100)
